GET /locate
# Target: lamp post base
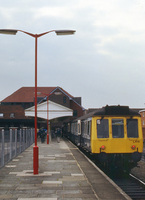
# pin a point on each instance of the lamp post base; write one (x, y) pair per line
(35, 160)
(47, 138)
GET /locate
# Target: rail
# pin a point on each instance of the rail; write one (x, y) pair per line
(13, 142)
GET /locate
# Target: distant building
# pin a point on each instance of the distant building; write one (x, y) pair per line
(142, 113)
(13, 107)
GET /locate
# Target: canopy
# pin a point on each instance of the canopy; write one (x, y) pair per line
(54, 110)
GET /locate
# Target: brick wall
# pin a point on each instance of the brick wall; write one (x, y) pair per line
(11, 112)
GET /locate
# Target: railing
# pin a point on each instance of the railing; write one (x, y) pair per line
(13, 142)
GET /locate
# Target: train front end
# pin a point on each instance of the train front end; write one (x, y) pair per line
(117, 135)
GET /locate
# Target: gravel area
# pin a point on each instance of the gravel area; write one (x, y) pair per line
(139, 171)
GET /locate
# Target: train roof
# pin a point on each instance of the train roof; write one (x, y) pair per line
(111, 111)
(117, 111)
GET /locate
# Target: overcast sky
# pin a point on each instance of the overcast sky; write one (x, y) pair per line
(104, 62)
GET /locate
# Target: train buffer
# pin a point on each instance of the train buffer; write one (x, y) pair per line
(64, 173)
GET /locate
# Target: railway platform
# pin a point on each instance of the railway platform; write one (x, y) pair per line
(64, 174)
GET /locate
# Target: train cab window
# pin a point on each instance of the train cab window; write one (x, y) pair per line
(102, 128)
(132, 128)
(117, 128)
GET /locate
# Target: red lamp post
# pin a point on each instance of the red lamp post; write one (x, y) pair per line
(47, 120)
(36, 36)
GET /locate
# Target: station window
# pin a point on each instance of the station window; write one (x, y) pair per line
(117, 128)
(64, 99)
(12, 115)
(132, 128)
(1, 115)
(102, 128)
(75, 113)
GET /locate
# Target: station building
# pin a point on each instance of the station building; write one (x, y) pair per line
(54, 103)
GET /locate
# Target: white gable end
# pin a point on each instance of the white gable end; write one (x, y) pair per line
(54, 111)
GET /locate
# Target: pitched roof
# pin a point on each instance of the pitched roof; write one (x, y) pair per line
(27, 94)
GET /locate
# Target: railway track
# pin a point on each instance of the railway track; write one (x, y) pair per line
(132, 186)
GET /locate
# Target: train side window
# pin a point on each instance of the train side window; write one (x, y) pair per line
(79, 128)
(89, 127)
(132, 128)
(117, 128)
(68, 128)
(83, 128)
(103, 128)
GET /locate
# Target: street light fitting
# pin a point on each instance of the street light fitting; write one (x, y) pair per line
(64, 32)
(8, 31)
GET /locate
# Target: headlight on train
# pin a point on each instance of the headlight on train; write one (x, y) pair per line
(133, 147)
(103, 147)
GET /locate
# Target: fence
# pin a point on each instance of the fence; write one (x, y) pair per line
(13, 142)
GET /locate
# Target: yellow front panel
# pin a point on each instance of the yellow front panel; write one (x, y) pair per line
(116, 145)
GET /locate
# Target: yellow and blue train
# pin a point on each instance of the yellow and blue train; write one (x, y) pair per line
(113, 134)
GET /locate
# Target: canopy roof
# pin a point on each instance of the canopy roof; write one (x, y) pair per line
(54, 110)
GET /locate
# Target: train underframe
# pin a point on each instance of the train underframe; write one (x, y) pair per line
(118, 161)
